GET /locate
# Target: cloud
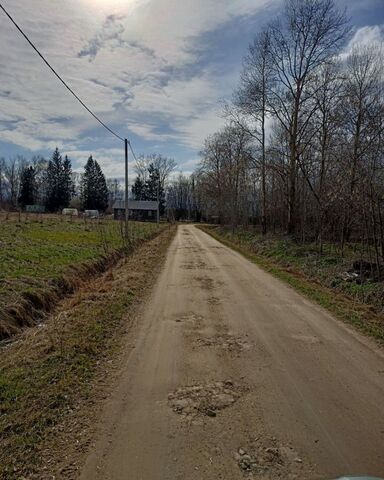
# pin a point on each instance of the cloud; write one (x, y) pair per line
(368, 35)
(148, 68)
(111, 30)
(111, 161)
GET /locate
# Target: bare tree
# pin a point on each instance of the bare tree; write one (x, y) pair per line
(303, 39)
(252, 101)
(361, 110)
(226, 159)
(141, 167)
(164, 165)
(12, 172)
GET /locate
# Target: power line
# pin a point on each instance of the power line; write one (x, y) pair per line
(58, 76)
(133, 153)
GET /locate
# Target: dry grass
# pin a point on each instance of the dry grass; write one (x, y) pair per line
(53, 375)
(367, 318)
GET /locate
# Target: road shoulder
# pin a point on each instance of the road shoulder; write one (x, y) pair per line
(360, 316)
(55, 376)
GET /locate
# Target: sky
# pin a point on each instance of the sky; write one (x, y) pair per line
(156, 71)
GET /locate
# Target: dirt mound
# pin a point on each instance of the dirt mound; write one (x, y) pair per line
(264, 458)
(205, 399)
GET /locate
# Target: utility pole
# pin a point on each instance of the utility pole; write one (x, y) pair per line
(158, 199)
(126, 191)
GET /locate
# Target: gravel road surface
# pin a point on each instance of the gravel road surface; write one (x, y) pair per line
(235, 375)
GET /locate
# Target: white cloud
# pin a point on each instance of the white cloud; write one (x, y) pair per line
(125, 59)
(368, 35)
(111, 161)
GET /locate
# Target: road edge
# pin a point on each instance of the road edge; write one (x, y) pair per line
(359, 316)
(55, 378)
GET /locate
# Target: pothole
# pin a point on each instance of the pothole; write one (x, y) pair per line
(205, 283)
(266, 457)
(214, 301)
(193, 265)
(225, 342)
(190, 319)
(207, 399)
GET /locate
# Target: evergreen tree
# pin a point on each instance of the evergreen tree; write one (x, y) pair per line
(101, 189)
(150, 190)
(66, 184)
(94, 190)
(27, 187)
(139, 189)
(154, 189)
(59, 182)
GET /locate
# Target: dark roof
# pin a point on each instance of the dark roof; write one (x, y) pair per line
(136, 205)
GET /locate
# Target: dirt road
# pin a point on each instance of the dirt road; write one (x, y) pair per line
(234, 375)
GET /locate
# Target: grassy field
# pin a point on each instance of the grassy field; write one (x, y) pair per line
(52, 378)
(319, 277)
(37, 251)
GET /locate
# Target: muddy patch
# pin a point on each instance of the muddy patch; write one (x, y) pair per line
(231, 343)
(204, 400)
(265, 458)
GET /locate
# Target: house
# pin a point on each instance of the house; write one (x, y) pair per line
(141, 210)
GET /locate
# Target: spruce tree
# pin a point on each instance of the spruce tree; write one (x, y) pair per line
(101, 189)
(138, 189)
(27, 187)
(154, 189)
(66, 183)
(53, 179)
(87, 185)
(94, 190)
(59, 182)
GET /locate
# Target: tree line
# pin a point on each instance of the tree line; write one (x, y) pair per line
(302, 148)
(52, 184)
(152, 176)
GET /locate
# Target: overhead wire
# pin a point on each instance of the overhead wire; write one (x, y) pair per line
(133, 153)
(59, 77)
